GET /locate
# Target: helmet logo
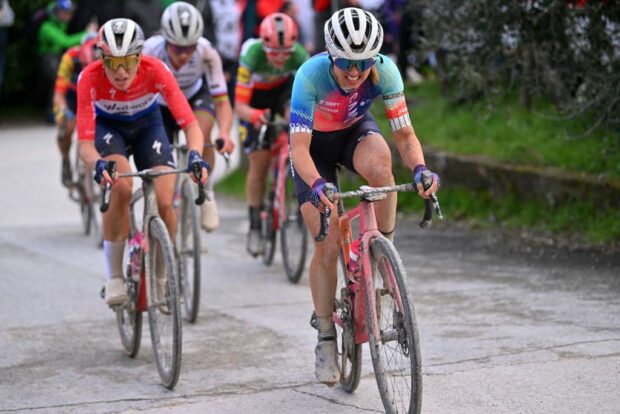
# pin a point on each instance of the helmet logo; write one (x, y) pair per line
(184, 16)
(119, 26)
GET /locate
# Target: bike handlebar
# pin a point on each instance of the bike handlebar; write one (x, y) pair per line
(430, 205)
(149, 174)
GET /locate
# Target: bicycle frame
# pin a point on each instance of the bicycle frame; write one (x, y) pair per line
(146, 192)
(281, 151)
(368, 230)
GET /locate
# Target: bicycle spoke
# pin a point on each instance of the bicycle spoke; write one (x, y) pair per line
(395, 355)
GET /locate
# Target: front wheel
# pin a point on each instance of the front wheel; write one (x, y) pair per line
(189, 249)
(394, 348)
(163, 305)
(293, 233)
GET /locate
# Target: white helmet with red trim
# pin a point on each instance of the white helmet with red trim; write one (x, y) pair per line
(120, 37)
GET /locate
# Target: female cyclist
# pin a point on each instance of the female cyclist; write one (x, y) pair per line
(264, 82)
(331, 124)
(192, 58)
(65, 99)
(118, 116)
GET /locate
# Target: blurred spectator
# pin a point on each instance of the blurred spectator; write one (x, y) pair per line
(305, 21)
(226, 15)
(146, 13)
(87, 11)
(249, 19)
(266, 7)
(323, 10)
(6, 20)
(204, 7)
(52, 41)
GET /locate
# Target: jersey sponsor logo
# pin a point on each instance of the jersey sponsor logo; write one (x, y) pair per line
(126, 107)
(243, 75)
(107, 138)
(157, 146)
(353, 105)
(112, 92)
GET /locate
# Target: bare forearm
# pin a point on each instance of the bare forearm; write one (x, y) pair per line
(195, 139)
(244, 111)
(300, 153)
(224, 116)
(88, 154)
(409, 147)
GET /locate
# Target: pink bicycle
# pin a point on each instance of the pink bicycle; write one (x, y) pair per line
(281, 213)
(373, 305)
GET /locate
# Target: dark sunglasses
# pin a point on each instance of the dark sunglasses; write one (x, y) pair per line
(177, 50)
(347, 64)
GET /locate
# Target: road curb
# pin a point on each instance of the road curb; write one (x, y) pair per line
(551, 186)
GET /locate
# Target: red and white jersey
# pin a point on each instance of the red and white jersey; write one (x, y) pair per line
(98, 98)
(204, 61)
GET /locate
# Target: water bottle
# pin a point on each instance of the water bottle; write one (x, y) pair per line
(354, 252)
(135, 248)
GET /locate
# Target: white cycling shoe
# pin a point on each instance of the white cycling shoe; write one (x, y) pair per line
(326, 364)
(115, 293)
(210, 218)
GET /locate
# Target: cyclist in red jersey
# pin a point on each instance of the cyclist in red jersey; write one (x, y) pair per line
(118, 116)
(65, 98)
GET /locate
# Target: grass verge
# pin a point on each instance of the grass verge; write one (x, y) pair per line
(505, 132)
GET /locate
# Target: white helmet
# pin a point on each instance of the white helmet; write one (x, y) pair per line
(120, 37)
(353, 33)
(182, 24)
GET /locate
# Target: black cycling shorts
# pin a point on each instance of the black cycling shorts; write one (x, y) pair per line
(330, 149)
(200, 101)
(276, 99)
(144, 138)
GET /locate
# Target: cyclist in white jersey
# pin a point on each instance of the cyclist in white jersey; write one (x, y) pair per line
(197, 67)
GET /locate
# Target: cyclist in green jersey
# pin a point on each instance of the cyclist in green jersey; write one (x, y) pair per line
(264, 83)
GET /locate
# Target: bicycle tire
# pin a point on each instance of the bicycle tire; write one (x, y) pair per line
(93, 193)
(268, 233)
(164, 316)
(86, 211)
(128, 319)
(350, 352)
(293, 233)
(399, 344)
(189, 251)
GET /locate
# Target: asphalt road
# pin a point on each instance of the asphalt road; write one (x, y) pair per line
(505, 327)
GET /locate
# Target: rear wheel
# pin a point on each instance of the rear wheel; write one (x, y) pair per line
(293, 233)
(189, 250)
(128, 318)
(268, 232)
(350, 352)
(163, 306)
(395, 348)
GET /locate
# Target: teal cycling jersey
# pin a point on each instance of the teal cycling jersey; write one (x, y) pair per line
(318, 103)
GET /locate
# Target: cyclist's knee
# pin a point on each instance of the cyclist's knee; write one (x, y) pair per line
(121, 192)
(379, 175)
